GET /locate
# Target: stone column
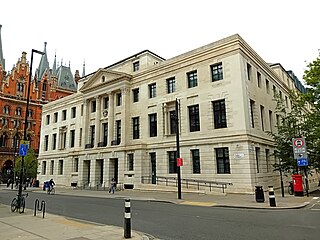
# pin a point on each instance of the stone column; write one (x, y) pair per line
(85, 122)
(124, 123)
(97, 122)
(111, 118)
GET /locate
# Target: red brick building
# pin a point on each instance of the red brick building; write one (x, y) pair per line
(48, 84)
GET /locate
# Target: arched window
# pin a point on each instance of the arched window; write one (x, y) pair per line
(3, 140)
(4, 122)
(44, 86)
(6, 109)
(18, 111)
(15, 142)
(20, 87)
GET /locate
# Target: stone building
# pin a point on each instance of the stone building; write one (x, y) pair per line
(47, 85)
(121, 123)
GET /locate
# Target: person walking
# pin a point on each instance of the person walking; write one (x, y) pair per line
(112, 186)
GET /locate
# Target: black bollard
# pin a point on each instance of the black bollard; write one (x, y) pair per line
(272, 198)
(127, 219)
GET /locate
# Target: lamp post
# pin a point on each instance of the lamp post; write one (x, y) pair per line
(26, 120)
(178, 148)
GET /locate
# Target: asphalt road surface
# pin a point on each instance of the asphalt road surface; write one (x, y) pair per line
(169, 221)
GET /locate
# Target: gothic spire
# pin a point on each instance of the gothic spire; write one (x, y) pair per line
(2, 61)
(44, 64)
(54, 67)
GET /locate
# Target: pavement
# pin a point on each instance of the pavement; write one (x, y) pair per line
(25, 226)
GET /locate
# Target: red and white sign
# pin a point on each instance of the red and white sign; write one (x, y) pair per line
(298, 142)
(179, 162)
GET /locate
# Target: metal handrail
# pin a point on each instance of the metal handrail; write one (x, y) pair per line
(187, 182)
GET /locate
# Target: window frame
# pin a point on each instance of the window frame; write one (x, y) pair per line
(192, 78)
(219, 114)
(216, 72)
(194, 118)
(223, 162)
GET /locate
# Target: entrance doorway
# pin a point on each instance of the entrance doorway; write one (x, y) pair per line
(113, 169)
(86, 172)
(153, 168)
(99, 171)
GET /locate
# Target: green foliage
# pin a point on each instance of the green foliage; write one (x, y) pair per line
(30, 164)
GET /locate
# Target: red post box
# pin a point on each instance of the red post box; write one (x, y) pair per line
(297, 184)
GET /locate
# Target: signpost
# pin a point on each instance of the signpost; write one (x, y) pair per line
(24, 146)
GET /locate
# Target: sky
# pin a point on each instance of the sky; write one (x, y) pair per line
(102, 32)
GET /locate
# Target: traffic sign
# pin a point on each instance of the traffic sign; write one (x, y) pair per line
(24, 146)
(299, 147)
(302, 162)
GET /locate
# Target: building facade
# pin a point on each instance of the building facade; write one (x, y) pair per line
(121, 122)
(47, 85)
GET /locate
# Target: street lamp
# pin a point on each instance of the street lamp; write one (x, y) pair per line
(26, 121)
(178, 148)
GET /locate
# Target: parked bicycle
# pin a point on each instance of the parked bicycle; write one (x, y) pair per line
(51, 190)
(290, 188)
(19, 203)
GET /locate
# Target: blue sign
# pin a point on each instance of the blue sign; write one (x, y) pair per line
(23, 150)
(302, 162)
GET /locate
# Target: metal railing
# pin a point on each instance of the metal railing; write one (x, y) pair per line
(187, 183)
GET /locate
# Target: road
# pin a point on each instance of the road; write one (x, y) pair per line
(169, 221)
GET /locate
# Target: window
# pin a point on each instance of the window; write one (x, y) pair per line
(46, 142)
(252, 108)
(223, 162)
(219, 114)
(47, 119)
(135, 127)
(257, 158)
(64, 115)
(267, 86)
(136, 66)
(15, 123)
(172, 155)
(28, 125)
(118, 131)
(259, 79)
(119, 99)
(55, 117)
(153, 124)
(173, 122)
(4, 121)
(73, 112)
(54, 141)
(130, 162)
(6, 110)
(106, 103)
(18, 112)
(81, 110)
(194, 120)
(216, 72)
(249, 71)
(20, 87)
(3, 140)
(92, 133)
(105, 134)
(262, 117)
(192, 79)
(270, 120)
(72, 138)
(60, 169)
(286, 101)
(62, 137)
(135, 93)
(268, 159)
(280, 95)
(51, 167)
(152, 90)
(93, 106)
(195, 156)
(171, 85)
(274, 90)
(80, 137)
(30, 113)
(44, 167)
(75, 165)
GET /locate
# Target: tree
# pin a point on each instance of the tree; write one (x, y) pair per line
(30, 165)
(312, 79)
(291, 125)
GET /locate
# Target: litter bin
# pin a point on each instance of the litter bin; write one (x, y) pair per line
(259, 194)
(37, 183)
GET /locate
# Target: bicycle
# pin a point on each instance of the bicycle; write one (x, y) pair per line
(19, 203)
(290, 188)
(51, 190)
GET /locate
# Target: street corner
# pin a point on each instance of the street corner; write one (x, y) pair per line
(199, 204)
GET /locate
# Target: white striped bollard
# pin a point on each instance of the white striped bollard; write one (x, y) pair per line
(127, 219)
(272, 198)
